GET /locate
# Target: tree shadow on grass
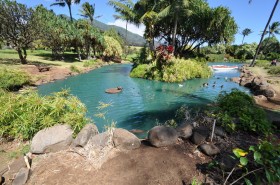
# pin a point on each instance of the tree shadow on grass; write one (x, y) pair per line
(66, 57)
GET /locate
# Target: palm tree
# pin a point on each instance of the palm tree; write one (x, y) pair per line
(245, 33)
(273, 29)
(88, 11)
(173, 8)
(68, 3)
(125, 10)
(264, 31)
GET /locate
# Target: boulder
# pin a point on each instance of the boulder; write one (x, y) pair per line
(160, 136)
(124, 139)
(21, 177)
(85, 134)
(209, 149)
(53, 139)
(219, 131)
(14, 168)
(185, 130)
(199, 135)
(100, 140)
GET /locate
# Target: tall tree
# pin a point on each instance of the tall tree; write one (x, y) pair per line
(245, 33)
(88, 11)
(68, 3)
(124, 8)
(18, 26)
(264, 32)
(173, 8)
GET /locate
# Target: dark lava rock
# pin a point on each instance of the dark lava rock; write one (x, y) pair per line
(161, 136)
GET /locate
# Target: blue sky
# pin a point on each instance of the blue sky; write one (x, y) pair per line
(253, 16)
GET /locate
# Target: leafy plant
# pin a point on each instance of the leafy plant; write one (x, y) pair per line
(237, 110)
(23, 115)
(11, 79)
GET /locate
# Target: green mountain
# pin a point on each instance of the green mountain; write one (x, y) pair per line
(132, 38)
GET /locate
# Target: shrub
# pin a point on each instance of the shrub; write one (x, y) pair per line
(140, 71)
(275, 70)
(237, 110)
(113, 47)
(23, 115)
(11, 79)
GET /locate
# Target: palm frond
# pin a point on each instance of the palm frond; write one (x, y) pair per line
(59, 4)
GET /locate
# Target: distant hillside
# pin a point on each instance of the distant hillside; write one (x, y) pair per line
(133, 39)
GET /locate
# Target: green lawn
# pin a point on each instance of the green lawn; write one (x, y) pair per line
(41, 56)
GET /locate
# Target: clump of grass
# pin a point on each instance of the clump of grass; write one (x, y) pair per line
(90, 63)
(23, 115)
(75, 69)
(12, 79)
(275, 70)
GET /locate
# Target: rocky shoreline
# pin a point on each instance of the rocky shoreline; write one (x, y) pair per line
(265, 94)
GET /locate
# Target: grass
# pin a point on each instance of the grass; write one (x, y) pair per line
(274, 70)
(23, 115)
(12, 79)
(41, 56)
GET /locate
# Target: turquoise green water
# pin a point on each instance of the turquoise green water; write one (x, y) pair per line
(142, 103)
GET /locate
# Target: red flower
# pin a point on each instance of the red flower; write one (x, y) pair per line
(170, 49)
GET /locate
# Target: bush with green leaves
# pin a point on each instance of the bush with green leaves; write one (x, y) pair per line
(113, 47)
(177, 70)
(75, 69)
(11, 79)
(23, 115)
(262, 160)
(237, 111)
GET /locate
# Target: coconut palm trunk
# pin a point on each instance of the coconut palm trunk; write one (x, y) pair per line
(175, 31)
(263, 33)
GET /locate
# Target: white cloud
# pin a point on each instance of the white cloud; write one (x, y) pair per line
(130, 27)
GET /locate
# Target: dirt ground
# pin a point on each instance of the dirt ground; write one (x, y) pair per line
(147, 165)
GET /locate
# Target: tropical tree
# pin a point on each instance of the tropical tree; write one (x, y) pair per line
(68, 3)
(173, 8)
(88, 11)
(264, 32)
(18, 27)
(273, 29)
(245, 33)
(124, 8)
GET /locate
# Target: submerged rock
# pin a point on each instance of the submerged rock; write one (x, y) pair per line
(161, 136)
(53, 139)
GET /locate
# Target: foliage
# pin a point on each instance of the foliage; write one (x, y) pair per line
(11, 79)
(237, 111)
(23, 115)
(88, 11)
(215, 57)
(246, 51)
(114, 34)
(261, 160)
(192, 25)
(142, 57)
(68, 3)
(274, 70)
(113, 47)
(177, 70)
(18, 26)
(270, 45)
(245, 33)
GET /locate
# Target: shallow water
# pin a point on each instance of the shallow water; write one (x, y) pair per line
(142, 104)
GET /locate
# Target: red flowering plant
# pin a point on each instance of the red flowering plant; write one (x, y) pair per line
(163, 54)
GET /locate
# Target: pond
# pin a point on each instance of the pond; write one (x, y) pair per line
(142, 104)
